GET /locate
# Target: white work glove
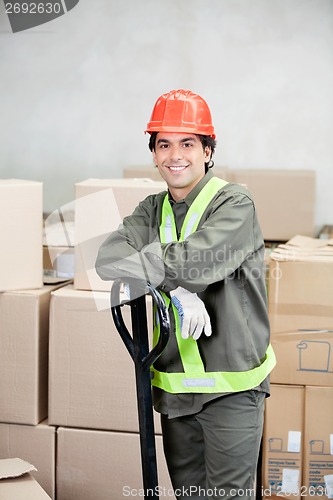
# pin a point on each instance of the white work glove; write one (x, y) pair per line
(193, 316)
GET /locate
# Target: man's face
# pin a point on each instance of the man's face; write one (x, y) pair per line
(180, 159)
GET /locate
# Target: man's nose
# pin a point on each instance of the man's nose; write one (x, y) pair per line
(176, 153)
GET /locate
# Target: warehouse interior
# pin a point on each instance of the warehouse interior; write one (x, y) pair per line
(76, 94)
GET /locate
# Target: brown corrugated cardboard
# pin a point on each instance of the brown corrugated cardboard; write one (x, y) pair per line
(282, 211)
(14, 467)
(17, 483)
(35, 444)
(282, 442)
(91, 376)
(318, 457)
(305, 249)
(303, 357)
(100, 206)
(24, 327)
(103, 465)
(21, 229)
(300, 285)
(142, 172)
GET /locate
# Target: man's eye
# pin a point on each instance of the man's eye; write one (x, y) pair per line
(187, 144)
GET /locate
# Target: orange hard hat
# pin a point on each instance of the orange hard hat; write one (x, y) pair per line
(181, 111)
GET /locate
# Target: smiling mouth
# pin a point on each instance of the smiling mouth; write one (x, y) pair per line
(177, 168)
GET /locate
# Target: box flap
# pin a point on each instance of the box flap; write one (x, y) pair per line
(17, 483)
(14, 467)
(304, 248)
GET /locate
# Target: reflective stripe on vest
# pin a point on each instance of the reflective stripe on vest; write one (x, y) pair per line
(195, 379)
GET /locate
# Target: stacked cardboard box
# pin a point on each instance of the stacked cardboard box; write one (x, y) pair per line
(100, 206)
(21, 222)
(90, 400)
(300, 285)
(301, 311)
(281, 212)
(318, 442)
(24, 326)
(37, 445)
(301, 315)
(103, 465)
(85, 397)
(91, 374)
(142, 172)
(297, 442)
(24, 329)
(17, 482)
(92, 387)
(282, 441)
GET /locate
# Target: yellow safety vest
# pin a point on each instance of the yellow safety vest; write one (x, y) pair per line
(195, 379)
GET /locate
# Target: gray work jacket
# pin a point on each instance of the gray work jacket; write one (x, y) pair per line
(222, 261)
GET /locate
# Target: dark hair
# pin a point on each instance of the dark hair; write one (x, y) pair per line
(206, 141)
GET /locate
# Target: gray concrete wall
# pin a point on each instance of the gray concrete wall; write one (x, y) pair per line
(76, 93)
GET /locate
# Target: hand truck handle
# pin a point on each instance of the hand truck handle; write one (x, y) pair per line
(138, 347)
(139, 289)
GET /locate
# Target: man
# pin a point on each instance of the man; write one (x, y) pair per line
(201, 244)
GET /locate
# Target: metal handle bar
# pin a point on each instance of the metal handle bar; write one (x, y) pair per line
(140, 289)
(138, 347)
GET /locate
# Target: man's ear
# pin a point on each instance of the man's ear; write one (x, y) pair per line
(208, 153)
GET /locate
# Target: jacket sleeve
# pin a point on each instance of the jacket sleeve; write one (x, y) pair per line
(227, 237)
(124, 252)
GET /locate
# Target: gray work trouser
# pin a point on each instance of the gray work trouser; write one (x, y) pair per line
(214, 453)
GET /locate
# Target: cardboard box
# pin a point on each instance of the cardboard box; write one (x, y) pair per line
(300, 285)
(282, 442)
(303, 357)
(24, 340)
(100, 206)
(280, 216)
(21, 229)
(58, 243)
(142, 172)
(281, 211)
(104, 465)
(91, 376)
(17, 483)
(318, 457)
(35, 444)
